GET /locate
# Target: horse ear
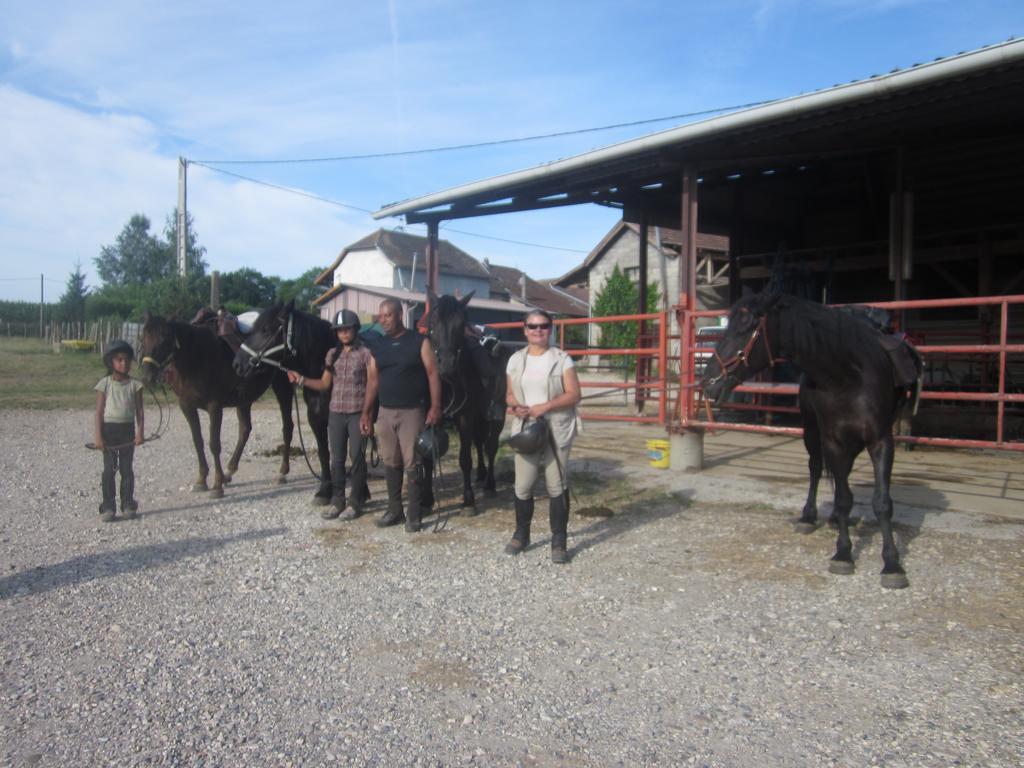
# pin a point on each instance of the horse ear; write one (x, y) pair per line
(464, 301)
(290, 306)
(146, 317)
(768, 299)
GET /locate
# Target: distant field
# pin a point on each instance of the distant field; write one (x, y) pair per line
(32, 375)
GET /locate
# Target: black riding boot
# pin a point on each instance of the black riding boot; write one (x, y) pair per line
(559, 516)
(394, 515)
(524, 515)
(414, 509)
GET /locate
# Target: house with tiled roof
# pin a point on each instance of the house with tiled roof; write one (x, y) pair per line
(620, 247)
(521, 288)
(392, 264)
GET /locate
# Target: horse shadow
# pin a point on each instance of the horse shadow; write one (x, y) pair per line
(102, 565)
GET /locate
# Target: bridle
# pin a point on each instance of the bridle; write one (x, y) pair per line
(731, 365)
(161, 365)
(263, 355)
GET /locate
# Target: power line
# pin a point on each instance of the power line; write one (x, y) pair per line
(364, 210)
(476, 145)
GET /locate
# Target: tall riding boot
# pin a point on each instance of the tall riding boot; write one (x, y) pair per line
(393, 476)
(524, 516)
(559, 516)
(414, 509)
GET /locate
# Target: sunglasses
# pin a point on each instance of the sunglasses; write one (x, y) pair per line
(538, 326)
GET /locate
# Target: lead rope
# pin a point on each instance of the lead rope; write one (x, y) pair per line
(163, 423)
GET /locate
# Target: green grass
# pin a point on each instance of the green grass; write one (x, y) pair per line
(32, 375)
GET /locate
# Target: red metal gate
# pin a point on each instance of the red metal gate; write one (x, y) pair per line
(992, 390)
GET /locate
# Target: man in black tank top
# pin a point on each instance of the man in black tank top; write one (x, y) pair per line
(403, 376)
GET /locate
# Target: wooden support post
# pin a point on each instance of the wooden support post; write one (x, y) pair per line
(433, 266)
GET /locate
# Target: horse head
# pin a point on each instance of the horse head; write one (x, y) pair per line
(268, 339)
(446, 327)
(159, 343)
(744, 349)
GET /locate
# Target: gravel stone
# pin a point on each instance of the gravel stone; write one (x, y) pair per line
(692, 627)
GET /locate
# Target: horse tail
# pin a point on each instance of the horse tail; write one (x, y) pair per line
(918, 384)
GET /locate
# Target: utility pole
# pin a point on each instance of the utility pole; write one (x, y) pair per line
(40, 305)
(182, 216)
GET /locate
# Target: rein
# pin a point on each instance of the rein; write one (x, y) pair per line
(742, 357)
(262, 356)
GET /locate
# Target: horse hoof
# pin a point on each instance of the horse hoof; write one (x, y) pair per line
(227, 479)
(320, 501)
(469, 511)
(280, 480)
(200, 487)
(217, 493)
(840, 567)
(490, 493)
(895, 580)
(803, 527)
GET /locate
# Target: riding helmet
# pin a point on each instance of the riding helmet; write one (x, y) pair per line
(346, 318)
(113, 347)
(432, 443)
(532, 438)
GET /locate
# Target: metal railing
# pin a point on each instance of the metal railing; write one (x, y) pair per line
(996, 394)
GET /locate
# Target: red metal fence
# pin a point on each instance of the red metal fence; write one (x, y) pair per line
(993, 358)
(651, 374)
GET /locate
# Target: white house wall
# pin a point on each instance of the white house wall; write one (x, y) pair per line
(368, 267)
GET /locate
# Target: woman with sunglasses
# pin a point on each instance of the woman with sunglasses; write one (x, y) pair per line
(542, 384)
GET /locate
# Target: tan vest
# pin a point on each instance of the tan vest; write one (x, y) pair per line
(565, 422)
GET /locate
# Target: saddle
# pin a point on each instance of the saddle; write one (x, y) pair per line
(232, 330)
(903, 357)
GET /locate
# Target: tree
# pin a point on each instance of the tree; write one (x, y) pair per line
(72, 303)
(246, 288)
(303, 289)
(195, 262)
(136, 257)
(621, 296)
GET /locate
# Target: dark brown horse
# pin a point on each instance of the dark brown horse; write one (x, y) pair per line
(854, 379)
(472, 400)
(198, 364)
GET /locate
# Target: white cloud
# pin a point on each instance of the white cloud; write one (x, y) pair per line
(73, 179)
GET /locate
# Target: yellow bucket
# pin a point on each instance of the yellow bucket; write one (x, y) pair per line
(657, 452)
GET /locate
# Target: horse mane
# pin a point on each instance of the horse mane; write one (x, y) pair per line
(839, 339)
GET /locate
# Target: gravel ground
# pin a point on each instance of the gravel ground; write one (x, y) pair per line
(693, 627)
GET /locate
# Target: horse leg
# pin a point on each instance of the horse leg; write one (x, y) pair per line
(481, 463)
(285, 394)
(192, 417)
(893, 575)
(466, 465)
(840, 463)
(808, 521)
(491, 450)
(316, 417)
(244, 430)
(216, 417)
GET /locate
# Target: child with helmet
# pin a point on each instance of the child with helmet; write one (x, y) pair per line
(119, 408)
(344, 376)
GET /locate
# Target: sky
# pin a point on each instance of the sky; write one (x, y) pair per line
(98, 101)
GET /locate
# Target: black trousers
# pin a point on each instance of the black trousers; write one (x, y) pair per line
(345, 441)
(118, 457)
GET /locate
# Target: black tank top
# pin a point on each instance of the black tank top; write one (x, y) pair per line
(402, 378)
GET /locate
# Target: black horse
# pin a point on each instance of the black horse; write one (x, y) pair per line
(854, 379)
(472, 399)
(284, 337)
(198, 365)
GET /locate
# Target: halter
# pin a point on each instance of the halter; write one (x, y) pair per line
(728, 367)
(166, 361)
(262, 356)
